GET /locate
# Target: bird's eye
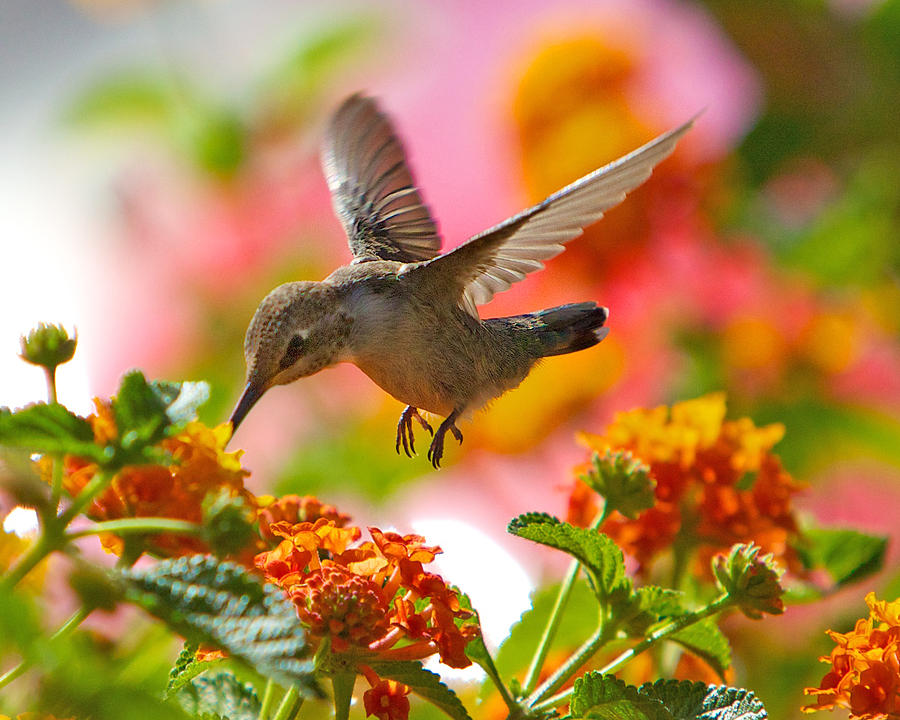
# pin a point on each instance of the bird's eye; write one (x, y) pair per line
(293, 352)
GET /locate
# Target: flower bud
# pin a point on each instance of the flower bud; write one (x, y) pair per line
(623, 481)
(752, 581)
(48, 346)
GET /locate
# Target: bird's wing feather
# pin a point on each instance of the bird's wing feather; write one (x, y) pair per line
(372, 188)
(490, 262)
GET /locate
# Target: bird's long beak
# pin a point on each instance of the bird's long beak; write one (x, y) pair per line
(251, 394)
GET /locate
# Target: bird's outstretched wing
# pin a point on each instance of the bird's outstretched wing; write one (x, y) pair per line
(372, 188)
(491, 261)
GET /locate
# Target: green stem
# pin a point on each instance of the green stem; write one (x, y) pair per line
(486, 662)
(127, 526)
(56, 487)
(343, 694)
(556, 615)
(571, 666)
(50, 372)
(68, 626)
(671, 627)
(268, 700)
(290, 704)
(97, 484)
(38, 550)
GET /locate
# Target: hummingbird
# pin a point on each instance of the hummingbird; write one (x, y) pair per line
(406, 314)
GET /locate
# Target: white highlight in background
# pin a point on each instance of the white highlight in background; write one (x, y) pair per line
(496, 583)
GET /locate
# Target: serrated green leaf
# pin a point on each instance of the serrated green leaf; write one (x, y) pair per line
(600, 556)
(645, 606)
(186, 668)
(607, 698)
(425, 684)
(223, 604)
(687, 700)
(140, 412)
(50, 428)
(848, 555)
(220, 694)
(706, 641)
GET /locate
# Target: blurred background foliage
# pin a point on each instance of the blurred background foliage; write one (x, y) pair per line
(761, 259)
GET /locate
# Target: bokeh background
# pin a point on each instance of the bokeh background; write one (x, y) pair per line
(159, 174)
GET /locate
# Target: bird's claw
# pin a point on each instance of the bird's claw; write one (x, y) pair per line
(436, 449)
(405, 430)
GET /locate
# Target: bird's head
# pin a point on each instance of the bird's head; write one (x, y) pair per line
(296, 331)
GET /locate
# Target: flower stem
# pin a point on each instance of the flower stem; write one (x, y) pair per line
(486, 662)
(50, 372)
(126, 526)
(556, 615)
(671, 627)
(88, 493)
(38, 550)
(571, 666)
(290, 704)
(343, 694)
(68, 626)
(268, 700)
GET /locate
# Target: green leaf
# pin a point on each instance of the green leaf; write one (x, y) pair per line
(220, 694)
(848, 555)
(187, 667)
(607, 698)
(140, 412)
(223, 604)
(706, 641)
(425, 684)
(647, 605)
(600, 556)
(687, 700)
(51, 428)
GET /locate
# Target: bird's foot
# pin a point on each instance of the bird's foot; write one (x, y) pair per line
(405, 430)
(436, 449)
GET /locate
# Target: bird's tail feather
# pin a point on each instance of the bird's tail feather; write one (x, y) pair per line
(564, 329)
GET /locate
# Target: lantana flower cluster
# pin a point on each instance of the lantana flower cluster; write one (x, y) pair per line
(368, 595)
(373, 599)
(717, 483)
(865, 666)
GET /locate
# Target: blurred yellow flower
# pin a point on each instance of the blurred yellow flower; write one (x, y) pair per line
(12, 547)
(698, 460)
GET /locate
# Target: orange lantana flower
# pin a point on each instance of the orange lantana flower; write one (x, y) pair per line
(200, 465)
(295, 509)
(865, 666)
(369, 595)
(701, 463)
(386, 699)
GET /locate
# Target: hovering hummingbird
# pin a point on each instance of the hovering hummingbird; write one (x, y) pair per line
(406, 314)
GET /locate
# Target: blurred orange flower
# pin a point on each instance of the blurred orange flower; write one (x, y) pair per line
(701, 463)
(865, 666)
(200, 465)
